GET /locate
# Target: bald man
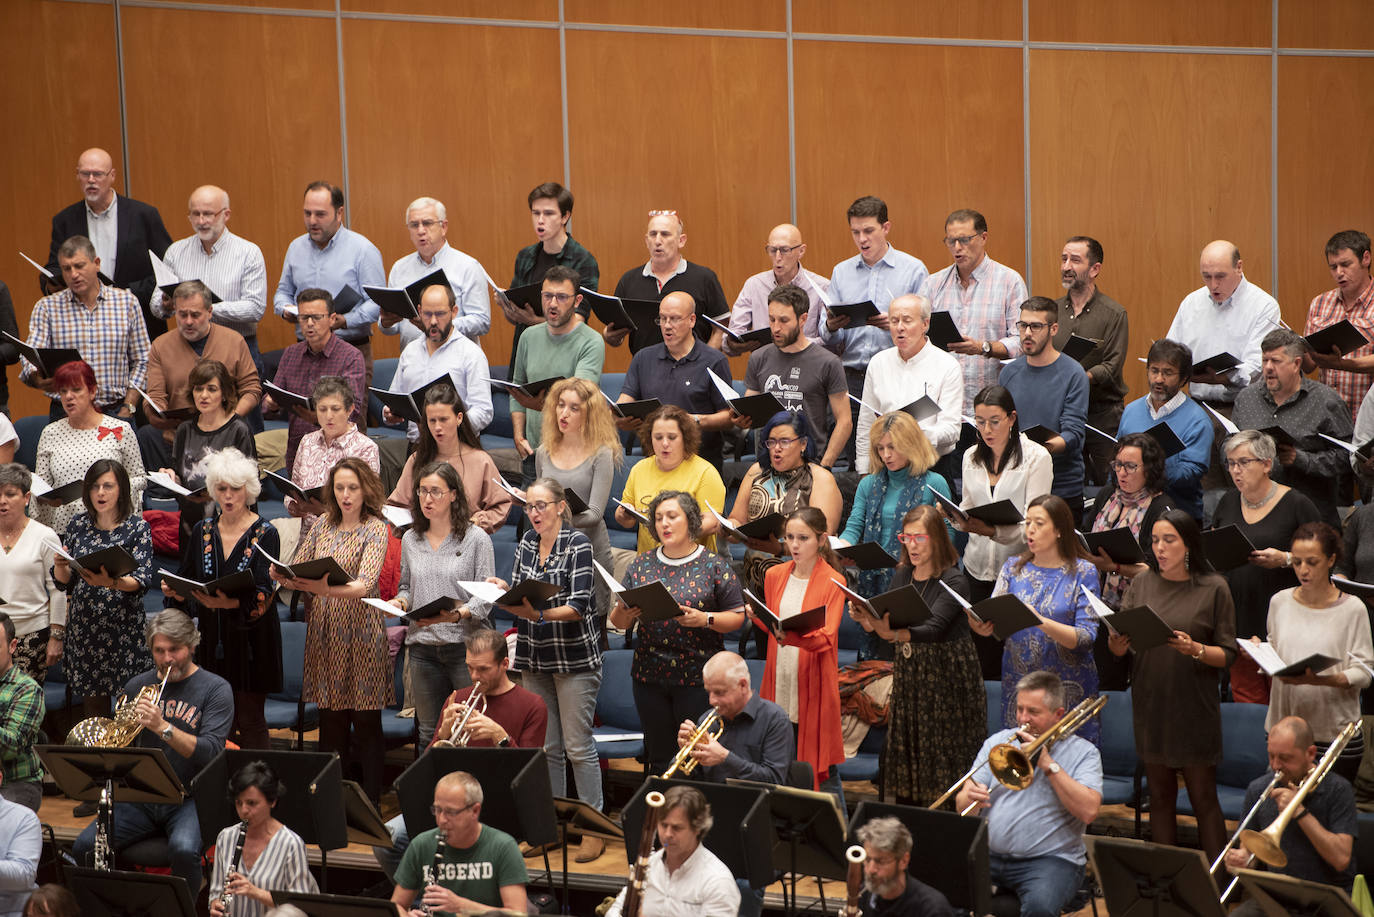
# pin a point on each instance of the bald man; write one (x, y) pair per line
(1226, 314)
(122, 229)
(666, 271)
(231, 266)
(785, 249)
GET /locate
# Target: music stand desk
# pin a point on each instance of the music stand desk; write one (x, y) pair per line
(1141, 879)
(1280, 895)
(126, 894)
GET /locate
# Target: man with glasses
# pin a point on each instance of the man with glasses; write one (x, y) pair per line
(750, 312)
(1169, 365)
(676, 371)
(666, 272)
(910, 369)
(984, 299)
(879, 273)
(1050, 390)
(427, 223)
(231, 266)
(122, 230)
(562, 345)
(321, 353)
(444, 349)
(889, 889)
(479, 867)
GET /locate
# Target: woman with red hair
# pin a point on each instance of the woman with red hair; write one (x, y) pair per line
(69, 446)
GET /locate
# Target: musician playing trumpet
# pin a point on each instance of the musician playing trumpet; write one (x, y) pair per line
(1320, 838)
(756, 743)
(1035, 835)
(267, 857)
(190, 723)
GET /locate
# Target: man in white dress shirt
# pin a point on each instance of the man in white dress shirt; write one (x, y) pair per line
(1226, 314)
(444, 350)
(906, 371)
(427, 223)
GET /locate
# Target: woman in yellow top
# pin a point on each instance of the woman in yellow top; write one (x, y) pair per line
(671, 441)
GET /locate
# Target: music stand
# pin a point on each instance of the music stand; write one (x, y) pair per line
(365, 824)
(101, 893)
(1280, 895)
(809, 835)
(951, 851)
(587, 820)
(312, 806)
(336, 905)
(516, 797)
(1141, 879)
(109, 775)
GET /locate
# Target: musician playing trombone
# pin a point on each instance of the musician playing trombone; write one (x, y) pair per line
(756, 743)
(190, 723)
(1320, 838)
(1035, 835)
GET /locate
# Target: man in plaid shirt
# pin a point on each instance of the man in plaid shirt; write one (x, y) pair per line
(21, 713)
(1347, 256)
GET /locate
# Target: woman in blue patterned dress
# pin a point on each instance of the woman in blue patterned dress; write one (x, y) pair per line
(1047, 578)
(240, 634)
(105, 645)
(669, 655)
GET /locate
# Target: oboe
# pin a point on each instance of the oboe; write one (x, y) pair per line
(226, 896)
(433, 871)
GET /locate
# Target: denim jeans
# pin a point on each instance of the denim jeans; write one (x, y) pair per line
(435, 673)
(389, 858)
(134, 822)
(1044, 884)
(571, 700)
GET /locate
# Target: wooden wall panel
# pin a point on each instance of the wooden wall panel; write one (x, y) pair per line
(265, 122)
(545, 10)
(326, 6)
(1326, 181)
(700, 14)
(60, 95)
(1344, 24)
(987, 19)
(1150, 183)
(1242, 23)
(480, 152)
(706, 137)
(927, 129)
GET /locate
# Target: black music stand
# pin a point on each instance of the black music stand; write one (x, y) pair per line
(516, 797)
(109, 775)
(1279, 895)
(574, 813)
(1141, 879)
(365, 824)
(312, 806)
(951, 852)
(336, 905)
(809, 836)
(101, 893)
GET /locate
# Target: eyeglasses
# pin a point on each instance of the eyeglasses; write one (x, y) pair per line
(204, 214)
(673, 319)
(780, 442)
(313, 318)
(433, 493)
(1034, 327)
(1240, 464)
(913, 538)
(541, 507)
(1127, 467)
(92, 174)
(774, 250)
(436, 811)
(951, 241)
(422, 224)
(662, 213)
(989, 423)
(561, 298)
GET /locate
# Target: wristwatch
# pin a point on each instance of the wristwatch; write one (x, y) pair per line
(504, 743)
(710, 620)
(166, 733)
(1053, 767)
(987, 348)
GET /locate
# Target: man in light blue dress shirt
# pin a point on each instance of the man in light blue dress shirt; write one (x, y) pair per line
(330, 256)
(878, 273)
(1035, 835)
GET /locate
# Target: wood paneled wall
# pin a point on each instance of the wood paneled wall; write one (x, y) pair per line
(1155, 150)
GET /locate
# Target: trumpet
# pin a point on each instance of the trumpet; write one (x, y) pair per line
(459, 736)
(709, 730)
(1014, 765)
(121, 730)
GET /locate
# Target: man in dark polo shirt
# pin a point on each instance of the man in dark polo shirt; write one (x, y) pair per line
(757, 741)
(666, 272)
(889, 890)
(675, 372)
(1086, 311)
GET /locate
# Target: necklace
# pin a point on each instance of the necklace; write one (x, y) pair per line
(8, 541)
(1273, 488)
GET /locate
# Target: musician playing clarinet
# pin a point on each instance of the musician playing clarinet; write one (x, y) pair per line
(462, 865)
(1035, 836)
(1320, 839)
(684, 878)
(256, 855)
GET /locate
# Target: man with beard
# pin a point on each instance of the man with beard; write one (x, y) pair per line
(801, 375)
(1086, 311)
(1170, 366)
(427, 223)
(440, 351)
(1050, 390)
(888, 890)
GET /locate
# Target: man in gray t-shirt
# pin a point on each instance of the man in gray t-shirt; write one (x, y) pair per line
(800, 374)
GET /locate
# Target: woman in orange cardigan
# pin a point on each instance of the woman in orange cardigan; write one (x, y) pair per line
(802, 675)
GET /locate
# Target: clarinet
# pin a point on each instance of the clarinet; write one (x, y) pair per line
(226, 896)
(433, 871)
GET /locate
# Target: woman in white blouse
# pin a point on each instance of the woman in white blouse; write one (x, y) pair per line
(272, 857)
(37, 607)
(1002, 465)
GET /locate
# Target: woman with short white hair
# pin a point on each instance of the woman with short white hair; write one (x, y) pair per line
(240, 631)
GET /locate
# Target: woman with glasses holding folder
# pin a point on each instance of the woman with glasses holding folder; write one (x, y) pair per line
(669, 654)
(1175, 686)
(320, 450)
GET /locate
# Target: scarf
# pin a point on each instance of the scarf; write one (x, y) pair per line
(1121, 510)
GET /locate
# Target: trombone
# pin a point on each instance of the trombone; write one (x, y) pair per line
(709, 730)
(1014, 765)
(1244, 823)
